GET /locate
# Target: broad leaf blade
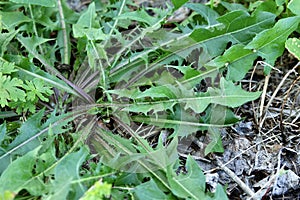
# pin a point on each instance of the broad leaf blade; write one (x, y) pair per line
(207, 13)
(167, 91)
(97, 191)
(27, 131)
(12, 19)
(148, 191)
(66, 171)
(46, 3)
(293, 46)
(269, 44)
(233, 6)
(190, 185)
(178, 3)
(140, 16)
(215, 144)
(5, 39)
(19, 173)
(2, 132)
(155, 106)
(238, 27)
(220, 193)
(294, 6)
(87, 26)
(238, 61)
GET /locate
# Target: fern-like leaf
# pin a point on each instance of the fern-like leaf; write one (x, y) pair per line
(10, 90)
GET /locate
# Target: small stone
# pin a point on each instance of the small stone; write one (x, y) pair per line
(285, 181)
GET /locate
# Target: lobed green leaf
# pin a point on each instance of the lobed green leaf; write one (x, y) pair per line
(10, 90)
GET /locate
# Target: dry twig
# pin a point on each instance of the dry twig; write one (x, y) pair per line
(275, 93)
(242, 185)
